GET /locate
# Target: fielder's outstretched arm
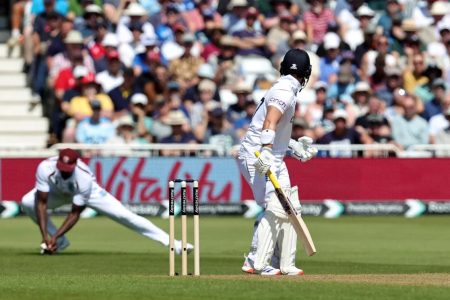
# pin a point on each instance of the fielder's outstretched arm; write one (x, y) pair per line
(71, 219)
(41, 214)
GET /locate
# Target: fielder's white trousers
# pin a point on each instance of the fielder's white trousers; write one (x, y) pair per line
(107, 205)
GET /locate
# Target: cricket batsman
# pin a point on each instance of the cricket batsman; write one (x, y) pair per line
(65, 179)
(274, 242)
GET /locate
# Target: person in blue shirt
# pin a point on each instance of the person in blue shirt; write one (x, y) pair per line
(434, 107)
(95, 129)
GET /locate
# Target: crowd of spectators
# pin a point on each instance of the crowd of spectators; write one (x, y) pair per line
(193, 71)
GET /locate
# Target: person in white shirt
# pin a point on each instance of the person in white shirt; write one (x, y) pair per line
(65, 179)
(270, 132)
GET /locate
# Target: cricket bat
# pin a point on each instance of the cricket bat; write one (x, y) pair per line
(294, 217)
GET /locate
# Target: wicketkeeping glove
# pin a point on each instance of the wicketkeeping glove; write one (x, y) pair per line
(264, 161)
(303, 149)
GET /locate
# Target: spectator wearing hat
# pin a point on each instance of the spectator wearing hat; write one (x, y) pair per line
(184, 68)
(93, 14)
(143, 124)
(192, 94)
(433, 16)
(343, 135)
(181, 133)
(329, 65)
(78, 8)
(440, 121)
(74, 49)
(112, 77)
(317, 18)
(393, 81)
(128, 51)
(197, 114)
(393, 11)
(145, 59)
(239, 110)
(360, 104)
(125, 134)
(80, 107)
(353, 20)
(94, 129)
(234, 19)
(410, 129)
(250, 40)
(435, 106)
(134, 13)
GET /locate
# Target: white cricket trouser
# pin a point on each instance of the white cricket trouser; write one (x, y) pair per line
(107, 205)
(262, 188)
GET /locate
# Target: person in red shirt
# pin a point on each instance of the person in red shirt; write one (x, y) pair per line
(317, 18)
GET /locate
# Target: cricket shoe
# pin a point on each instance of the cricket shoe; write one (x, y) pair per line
(179, 247)
(268, 271)
(247, 267)
(62, 244)
(293, 271)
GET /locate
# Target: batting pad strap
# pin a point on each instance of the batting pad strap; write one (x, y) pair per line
(267, 136)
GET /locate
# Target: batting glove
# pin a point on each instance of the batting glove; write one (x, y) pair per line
(264, 161)
(303, 149)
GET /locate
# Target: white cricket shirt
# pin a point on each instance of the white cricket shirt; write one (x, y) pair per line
(78, 188)
(281, 95)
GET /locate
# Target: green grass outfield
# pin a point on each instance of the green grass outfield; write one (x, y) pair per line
(358, 258)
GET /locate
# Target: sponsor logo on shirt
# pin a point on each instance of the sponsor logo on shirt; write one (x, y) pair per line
(278, 102)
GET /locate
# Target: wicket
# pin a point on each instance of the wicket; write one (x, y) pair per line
(195, 196)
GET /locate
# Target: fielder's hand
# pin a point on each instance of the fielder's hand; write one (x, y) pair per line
(303, 149)
(265, 161)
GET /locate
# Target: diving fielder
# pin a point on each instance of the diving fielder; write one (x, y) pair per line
(65, 179)
(274, 240)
